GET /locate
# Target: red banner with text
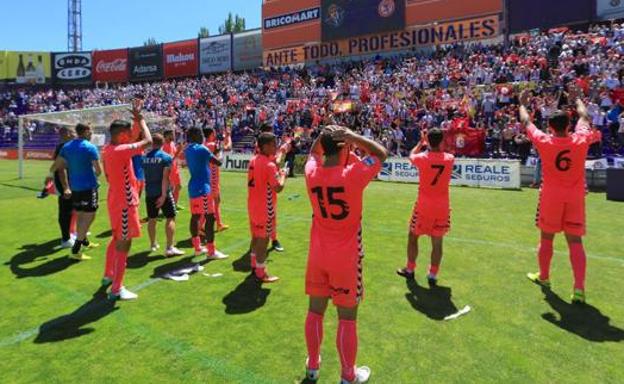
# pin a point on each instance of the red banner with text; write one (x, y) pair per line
(181, 58)
(110, 66)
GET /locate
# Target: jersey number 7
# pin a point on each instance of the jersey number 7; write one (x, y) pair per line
(332, 200)
(440, 169)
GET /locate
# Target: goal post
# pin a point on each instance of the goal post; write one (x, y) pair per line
(39, 131)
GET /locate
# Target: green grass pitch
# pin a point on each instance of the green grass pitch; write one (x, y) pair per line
(54, 328)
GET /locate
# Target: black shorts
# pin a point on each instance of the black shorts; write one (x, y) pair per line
(168, 209)
(85, 201)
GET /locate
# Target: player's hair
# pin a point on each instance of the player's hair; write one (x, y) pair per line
(266, 128)
(330, 146)
(208, 132)
(265, 138)
(65, 130)
(157, 140)
(118, 126)
(435, 137)
(194, 135)
(81, 129)
(168, 132)
(559, 121)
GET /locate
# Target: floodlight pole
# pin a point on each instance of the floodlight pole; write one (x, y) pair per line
(20, 148)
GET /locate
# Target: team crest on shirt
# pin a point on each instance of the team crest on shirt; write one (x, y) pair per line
(386, 8)
(369, 161)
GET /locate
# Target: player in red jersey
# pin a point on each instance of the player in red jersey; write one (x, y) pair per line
(123, 198)
(172, 150)
(215, 172)
(277, 158)
(432, 212)
(264, 181)
(334, 270)
(561, 205)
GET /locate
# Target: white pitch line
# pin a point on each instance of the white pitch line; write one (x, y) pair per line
(24, 335)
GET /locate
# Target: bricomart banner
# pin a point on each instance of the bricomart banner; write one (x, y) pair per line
(422, 36)
(215, 54)
(28, 67)
(247, 50)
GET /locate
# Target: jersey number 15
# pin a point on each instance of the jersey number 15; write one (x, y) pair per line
(330, 192)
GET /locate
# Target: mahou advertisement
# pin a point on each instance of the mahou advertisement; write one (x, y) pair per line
(181, 58)
(146, 63)
(110, 66)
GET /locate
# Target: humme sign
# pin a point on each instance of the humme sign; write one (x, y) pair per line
(292, 18)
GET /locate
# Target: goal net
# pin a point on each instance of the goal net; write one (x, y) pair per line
(38, 133)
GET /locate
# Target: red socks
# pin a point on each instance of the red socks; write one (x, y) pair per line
(196, 243)
(544, 256)
(434, 269)
(120, 269)
(253, 260)
(347, 343)
(109, 269)
(579, 264)
(411, 266)
(211, 248)
(260, 270)
(217, 214)
(72, 223)
(314, 338)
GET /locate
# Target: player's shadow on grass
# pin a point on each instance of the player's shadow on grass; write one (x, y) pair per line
(73, 325)
(435, 302)
(20, 187)
(32, 253)
(247, 297)
(105, 234)
(583, 320)
(142, 259)
(243, 263)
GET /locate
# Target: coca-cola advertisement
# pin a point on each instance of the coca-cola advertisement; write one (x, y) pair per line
(71, 68)
(110, 66)
(146, 63)
(181, 59)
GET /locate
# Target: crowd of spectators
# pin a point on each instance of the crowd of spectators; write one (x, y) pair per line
(389, 99)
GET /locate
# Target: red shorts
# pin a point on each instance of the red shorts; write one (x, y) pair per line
(261, 228)
(125, 222)
(430, 225)
(554, 216)
(336, 271)
(174, 177)
(202, 205)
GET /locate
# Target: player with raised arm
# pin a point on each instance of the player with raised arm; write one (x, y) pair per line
(172, 150)
(561, 206)
(198, 159)
(158, 195)
(264, 182)
(334, 270)
(432, 212)
(79, 167)
(123, 197)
